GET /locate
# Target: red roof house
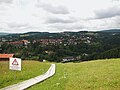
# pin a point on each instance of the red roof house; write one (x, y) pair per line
(5, 57)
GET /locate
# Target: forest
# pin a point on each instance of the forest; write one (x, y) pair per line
(82, 46)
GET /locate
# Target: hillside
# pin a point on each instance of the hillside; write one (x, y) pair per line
(2, 33)
(82, 46)
(30, 69)
(92, 75)
(111, 31)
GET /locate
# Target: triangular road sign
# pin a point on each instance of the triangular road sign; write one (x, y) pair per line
(15, 62)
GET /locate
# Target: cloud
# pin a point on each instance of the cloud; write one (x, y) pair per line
(53, 9)
(116, 22)
(67, 26)
(91, 25)
(6, 1)
(17, 25)
(54, 15)
(108, 13)
(53, 20)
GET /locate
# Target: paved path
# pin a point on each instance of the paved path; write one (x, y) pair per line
(25, 84)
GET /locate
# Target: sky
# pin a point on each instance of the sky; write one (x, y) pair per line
(19, 16)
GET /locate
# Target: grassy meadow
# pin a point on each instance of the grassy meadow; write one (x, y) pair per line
(92, 75)
(29, 69)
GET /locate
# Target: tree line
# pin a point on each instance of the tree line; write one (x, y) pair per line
(102, 46)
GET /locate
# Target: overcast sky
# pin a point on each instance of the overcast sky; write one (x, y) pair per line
(18, 16)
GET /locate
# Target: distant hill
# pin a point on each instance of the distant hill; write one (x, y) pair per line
(111, 31)
(3, 34)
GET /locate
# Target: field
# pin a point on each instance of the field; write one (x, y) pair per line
(92, 75)
(29, 69)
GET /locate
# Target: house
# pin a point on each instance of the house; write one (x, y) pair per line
(19, 43)
(67, 59)
(5, 57)
(16, 43)
(49, 41)
(25, 42)
(4, 40)
(44, 41)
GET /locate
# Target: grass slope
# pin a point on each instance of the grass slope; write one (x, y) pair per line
(92, 75)
(29, 69)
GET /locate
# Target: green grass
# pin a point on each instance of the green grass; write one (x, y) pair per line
(92, 75)
(29, 69)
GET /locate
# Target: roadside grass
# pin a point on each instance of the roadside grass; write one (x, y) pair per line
(92, 75)
(30, 69)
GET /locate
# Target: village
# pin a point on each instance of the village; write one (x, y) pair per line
(57, 46)
(26, 41)
(71, 39)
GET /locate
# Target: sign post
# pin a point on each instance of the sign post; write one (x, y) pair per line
(15, 64)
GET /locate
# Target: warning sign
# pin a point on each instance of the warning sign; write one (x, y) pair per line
(15, 64)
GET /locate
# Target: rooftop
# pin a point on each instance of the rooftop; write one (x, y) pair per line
(6, 55)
